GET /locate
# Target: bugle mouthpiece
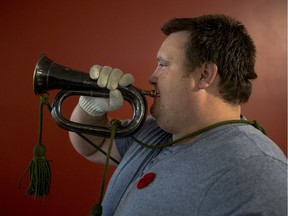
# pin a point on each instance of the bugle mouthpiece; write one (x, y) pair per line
(151, 93)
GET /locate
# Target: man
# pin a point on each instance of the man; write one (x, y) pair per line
(204, 73)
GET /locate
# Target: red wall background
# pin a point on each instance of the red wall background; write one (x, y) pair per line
(122, 34)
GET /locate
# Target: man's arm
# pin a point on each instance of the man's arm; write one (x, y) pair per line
(93, 111)
(83, 147)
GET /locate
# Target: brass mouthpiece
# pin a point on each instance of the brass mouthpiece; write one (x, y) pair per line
(151, 93)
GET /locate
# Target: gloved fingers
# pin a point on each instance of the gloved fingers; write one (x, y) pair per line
(94, 106)
(95, 72)
(104, 76)
(110, 78)
(114, 78)
(97, 106)
(115, 100)
(126, 79)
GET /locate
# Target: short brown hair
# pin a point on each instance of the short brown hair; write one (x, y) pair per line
(224, 41)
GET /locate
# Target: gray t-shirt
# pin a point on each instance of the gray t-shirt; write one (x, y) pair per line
(230, 170)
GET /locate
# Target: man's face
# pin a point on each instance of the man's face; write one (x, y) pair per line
(172, 84)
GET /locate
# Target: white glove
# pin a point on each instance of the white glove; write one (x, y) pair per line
(109, 78)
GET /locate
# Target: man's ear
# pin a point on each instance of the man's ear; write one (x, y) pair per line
(207, 75)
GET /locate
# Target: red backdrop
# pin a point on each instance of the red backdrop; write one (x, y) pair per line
(122, 34)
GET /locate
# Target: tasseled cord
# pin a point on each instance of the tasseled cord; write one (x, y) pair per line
(39, 167)
(96, 210)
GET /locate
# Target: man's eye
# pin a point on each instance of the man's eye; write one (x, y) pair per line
(160, 64)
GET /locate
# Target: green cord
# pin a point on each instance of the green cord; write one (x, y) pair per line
(115, 124)
(96, 210)
(253, 123)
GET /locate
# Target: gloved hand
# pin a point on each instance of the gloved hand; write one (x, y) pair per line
(109, 78)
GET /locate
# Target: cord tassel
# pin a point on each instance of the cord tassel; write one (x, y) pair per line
(39, 167)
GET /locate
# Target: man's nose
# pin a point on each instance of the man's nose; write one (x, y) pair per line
(153, 78)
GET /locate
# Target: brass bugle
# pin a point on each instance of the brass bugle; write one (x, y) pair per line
(49, 75)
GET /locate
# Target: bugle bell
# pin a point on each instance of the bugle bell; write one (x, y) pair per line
(49, 75)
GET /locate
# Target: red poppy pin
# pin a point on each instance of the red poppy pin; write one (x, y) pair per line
(146, 180)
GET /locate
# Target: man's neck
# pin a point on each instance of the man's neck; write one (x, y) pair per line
(205, 119)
